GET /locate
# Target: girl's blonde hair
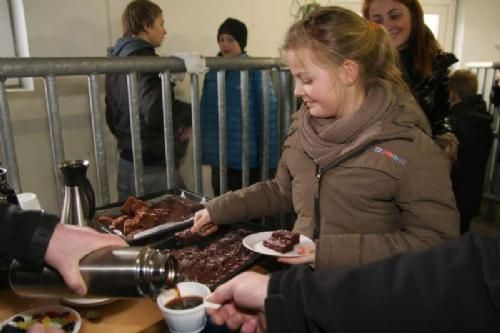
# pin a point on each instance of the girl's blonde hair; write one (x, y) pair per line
(334, 34)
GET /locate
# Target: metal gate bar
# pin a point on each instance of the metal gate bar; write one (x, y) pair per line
(486, 72)
(50, 68)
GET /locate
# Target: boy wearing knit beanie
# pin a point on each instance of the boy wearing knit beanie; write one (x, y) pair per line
(232, 37)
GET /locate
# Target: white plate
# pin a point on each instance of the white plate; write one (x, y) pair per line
(254, 242)
(84, 301)
(28, 314)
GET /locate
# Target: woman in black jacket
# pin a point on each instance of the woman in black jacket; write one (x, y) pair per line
(425, 65)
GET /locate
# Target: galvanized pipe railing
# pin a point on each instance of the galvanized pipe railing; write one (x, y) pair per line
(245, 126)
(98, 137)
(287, 103)
(221, 99)
(135, 131)
(168, 127)
(265, 124)
(7, 143)
(195, 109)
(55, 131)
(486, 73)
(40, 67)
(50, 68)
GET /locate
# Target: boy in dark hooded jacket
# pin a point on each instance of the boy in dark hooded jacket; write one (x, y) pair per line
(472, 124)
(143, 31)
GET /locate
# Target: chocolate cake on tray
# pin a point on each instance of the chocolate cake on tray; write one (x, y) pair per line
(139, 220)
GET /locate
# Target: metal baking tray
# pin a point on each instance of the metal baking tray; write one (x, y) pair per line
(172, 243)
(158, 232)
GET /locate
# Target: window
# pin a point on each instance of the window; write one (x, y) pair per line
(439, 15)
(8, 48)
(432, 21)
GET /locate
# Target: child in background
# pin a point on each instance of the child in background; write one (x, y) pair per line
(472, 124)
(232, 40)
(143, 32)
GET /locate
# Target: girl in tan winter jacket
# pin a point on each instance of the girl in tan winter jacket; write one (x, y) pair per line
(358, 167)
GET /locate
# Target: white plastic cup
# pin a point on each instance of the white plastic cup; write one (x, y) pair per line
(184, 321)
(29, 201)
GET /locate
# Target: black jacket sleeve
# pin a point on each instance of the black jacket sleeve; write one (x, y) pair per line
(24, 235)
(439, 113)
(451, 288)
(151, 105)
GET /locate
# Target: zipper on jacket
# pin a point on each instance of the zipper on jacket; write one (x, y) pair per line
(319, 174)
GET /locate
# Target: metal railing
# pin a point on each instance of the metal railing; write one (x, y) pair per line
(50, 68)
(486, 73)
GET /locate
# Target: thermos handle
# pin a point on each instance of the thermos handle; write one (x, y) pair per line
(86, 187)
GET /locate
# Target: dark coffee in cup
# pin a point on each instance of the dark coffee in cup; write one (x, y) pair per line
(184, 303)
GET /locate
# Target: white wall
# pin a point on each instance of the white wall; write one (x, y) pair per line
(86, 28)
(76, 28)
(192, 24)
(57, 28)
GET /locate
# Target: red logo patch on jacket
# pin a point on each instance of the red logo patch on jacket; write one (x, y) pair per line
(389, 154)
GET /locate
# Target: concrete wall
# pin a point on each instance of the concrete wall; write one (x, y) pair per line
(75, 28)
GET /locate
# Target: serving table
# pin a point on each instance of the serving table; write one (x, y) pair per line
(121, 316)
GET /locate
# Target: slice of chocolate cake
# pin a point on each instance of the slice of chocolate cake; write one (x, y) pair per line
(282, 241)
(186, 237)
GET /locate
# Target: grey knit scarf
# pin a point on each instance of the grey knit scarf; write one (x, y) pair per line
(323, 139)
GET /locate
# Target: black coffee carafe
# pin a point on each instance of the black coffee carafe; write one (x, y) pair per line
(79, 199)
(7, 194)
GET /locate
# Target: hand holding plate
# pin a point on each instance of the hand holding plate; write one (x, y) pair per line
(306, 254)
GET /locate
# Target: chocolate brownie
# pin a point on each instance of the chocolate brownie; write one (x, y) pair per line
(132, 205)
(187, 237)
(139, 216)
(282, 241)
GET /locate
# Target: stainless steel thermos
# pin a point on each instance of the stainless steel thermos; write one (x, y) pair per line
(108, 272)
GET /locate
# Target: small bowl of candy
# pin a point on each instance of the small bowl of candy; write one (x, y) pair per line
(58, 316)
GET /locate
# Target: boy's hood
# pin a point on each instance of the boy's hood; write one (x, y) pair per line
(127, 45)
